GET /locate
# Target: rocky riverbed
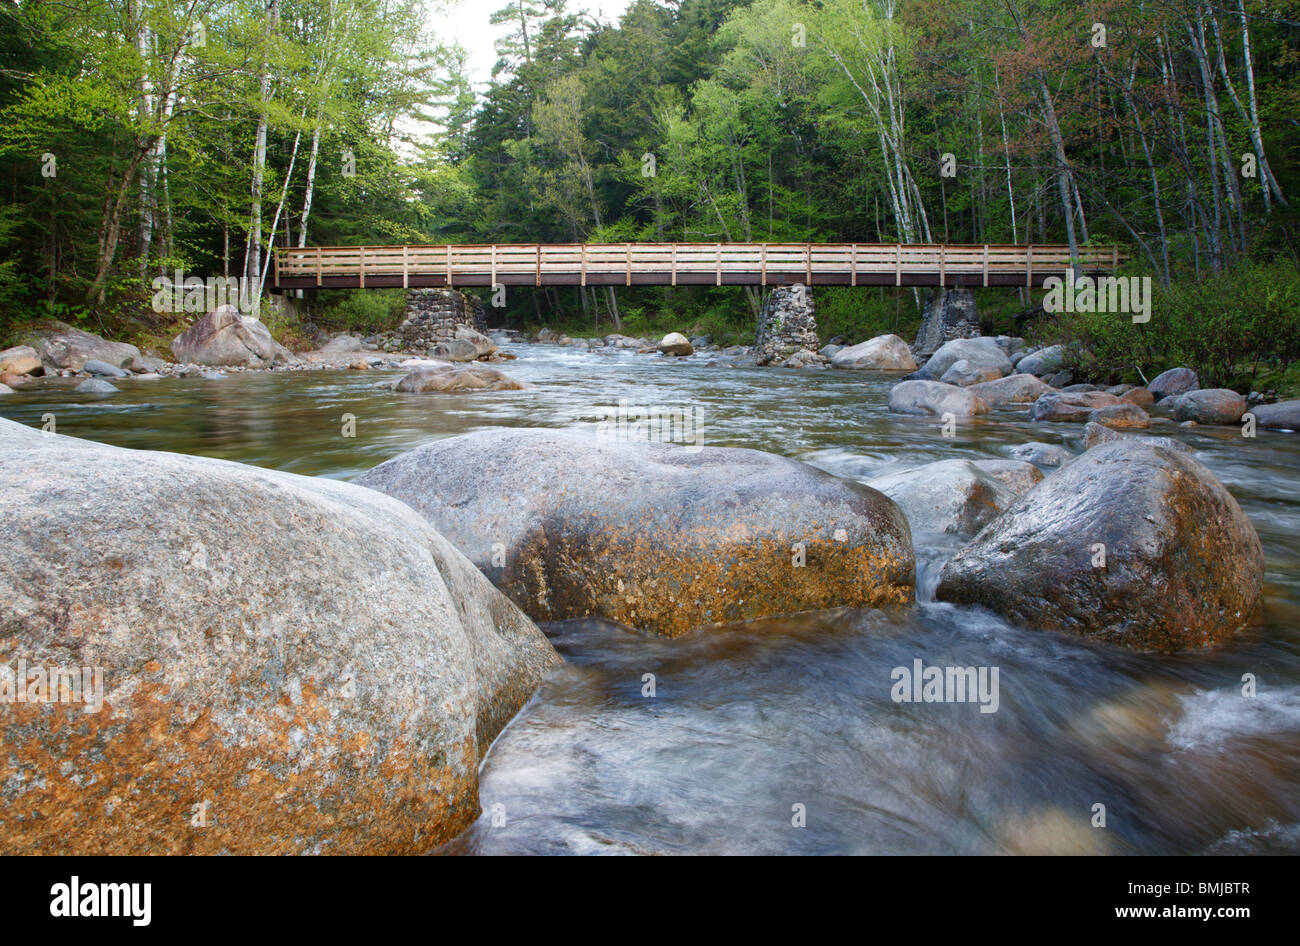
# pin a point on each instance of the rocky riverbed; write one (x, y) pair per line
(665, 732)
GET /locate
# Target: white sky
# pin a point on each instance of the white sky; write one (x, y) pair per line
(466, 22)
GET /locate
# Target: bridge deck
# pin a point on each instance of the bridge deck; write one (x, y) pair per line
(674, 264)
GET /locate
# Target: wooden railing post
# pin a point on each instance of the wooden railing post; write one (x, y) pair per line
(674, 262)
(763, 263)
(853, 263)
(406, 268)
(943, 266)
(449, 276)
(1029, 265)
(361, 265)
(629, 264)
(898, 264)
(986, 264)
(318, 266)
(583, 266)
(539, 264)
(494, 266)
(719, 279)
(807, 264)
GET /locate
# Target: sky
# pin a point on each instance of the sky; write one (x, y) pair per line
(466, 22)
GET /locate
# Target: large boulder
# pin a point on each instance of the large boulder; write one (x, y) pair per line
(965, 374)
(1174, 381)
(1208, 406)
(1095, 434)
(1073, 406)
(957, 497)
(71, 348)
(659, 537)
(465, 344)
(950, 314)
(1284, 415)
(21, 359)
(1132, 543)
(453, 379)
(1013, 389)
(1126, 416)
(984, 354)
(676, 344)
(936, 398)
(304, 664)
(882, 353)
(223, 337)
(1045, 361)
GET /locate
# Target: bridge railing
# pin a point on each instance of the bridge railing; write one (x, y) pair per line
(669, 263)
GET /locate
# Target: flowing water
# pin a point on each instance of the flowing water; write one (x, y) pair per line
(755, 729)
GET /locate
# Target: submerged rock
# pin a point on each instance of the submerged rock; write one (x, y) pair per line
(659, 537)
(1094, 434)
(452, 379)
(309, 658)
(1132, 544)
(94, 386)
(882, 353)
(957, 497)
(1042, 454)
(936, 398)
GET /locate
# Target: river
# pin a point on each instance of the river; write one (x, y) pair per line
(780, 736)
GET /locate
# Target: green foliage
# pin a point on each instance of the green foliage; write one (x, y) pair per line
(1239, 329)
(360, 310)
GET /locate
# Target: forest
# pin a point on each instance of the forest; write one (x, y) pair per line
(141, 138)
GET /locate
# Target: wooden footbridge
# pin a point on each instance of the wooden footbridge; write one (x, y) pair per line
(680, 264)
